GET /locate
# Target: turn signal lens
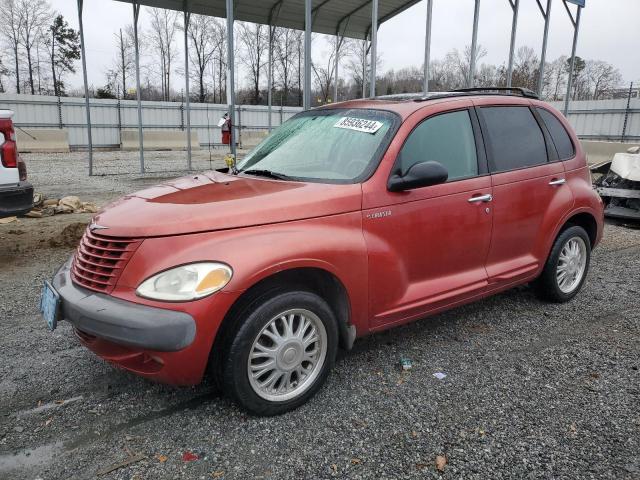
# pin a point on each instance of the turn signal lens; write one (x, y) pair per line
(187, 282)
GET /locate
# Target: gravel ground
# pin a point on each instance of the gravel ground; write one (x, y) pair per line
(532, 390)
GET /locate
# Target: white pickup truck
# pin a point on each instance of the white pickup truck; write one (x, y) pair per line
(16, 194)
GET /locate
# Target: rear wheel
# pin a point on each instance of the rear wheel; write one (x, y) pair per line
(567, 266)
(282, 353)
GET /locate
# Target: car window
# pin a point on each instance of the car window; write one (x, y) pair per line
(447, 139)
(332, 145)
(514, 138)
(559, 135)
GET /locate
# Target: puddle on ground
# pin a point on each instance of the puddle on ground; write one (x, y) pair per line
(29, 457)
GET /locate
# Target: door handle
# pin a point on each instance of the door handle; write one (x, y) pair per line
(481, 198)
(558, 181)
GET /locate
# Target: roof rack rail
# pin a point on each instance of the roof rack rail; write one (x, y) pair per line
(523, 92)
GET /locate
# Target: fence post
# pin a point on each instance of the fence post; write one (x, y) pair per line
(119, 122)
(240, 127)
(181, 107)
(626, 113)
(59, 113)
(281, 114)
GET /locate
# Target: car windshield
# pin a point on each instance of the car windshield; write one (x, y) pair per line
(333, 146)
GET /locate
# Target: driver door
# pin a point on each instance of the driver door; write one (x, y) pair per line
(428, 246)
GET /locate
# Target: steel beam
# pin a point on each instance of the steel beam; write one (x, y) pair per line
(86, 86)
(427, 46)
(374, 46)
(543, 56)
(515, 6)
(187, 18)
(576, 31)
(474, 45)
(307, 55)
(231, 87)
(136, 14)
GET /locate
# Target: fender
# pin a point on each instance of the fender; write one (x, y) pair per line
(332, 243)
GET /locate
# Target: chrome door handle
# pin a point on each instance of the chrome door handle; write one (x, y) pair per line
(558, 181)
(481, 198)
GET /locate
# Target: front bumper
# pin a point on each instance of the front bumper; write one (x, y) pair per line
(16, 199)
(120, 322)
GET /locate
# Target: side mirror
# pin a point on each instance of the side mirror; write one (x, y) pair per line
(419, 175)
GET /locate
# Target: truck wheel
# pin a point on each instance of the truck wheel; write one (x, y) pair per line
(281, 354)
(567, 266)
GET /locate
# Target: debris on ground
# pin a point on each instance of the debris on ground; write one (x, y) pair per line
(8, 220)
(406, 364)
(69, 236)
(161, 458)
(440, 375)
(441, 462)
(189, 457)
(619, 185)
(133, 458)
(47, 207)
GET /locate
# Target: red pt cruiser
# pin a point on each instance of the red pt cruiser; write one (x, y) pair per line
(347, 220)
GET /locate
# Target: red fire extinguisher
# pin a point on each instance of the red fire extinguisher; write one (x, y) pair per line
(225, 125)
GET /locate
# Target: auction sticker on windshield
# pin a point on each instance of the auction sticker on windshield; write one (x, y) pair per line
(359, 124)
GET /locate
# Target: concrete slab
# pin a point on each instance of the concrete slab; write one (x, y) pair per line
(603, 151)
(43, 140)
(158, 140)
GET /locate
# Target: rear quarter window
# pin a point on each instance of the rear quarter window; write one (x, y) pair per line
(561, 139)
(514, 138)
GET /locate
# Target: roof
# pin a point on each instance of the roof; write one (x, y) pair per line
(405, 104)
(351, 18)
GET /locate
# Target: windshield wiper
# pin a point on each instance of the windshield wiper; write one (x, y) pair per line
(266, 173)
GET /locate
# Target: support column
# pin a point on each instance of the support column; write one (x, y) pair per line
(231, 87)
(86, 87)
(427, 47)
(543, 56)
(187, 18)
(374, 47)
(307, 55)
(512, 47)
(474, 45)
(576, 30)
(270, 77)
(136, 14)
(337, 62)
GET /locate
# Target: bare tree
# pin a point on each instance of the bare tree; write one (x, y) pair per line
(603, 77)
(526, 68)
(219, 60)
(34, 14)
(124, 63)
(200, 32)
(254, 41)
(164, 25)
(11, 28)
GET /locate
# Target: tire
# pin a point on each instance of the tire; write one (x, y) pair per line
(294, 365)
(549, 286)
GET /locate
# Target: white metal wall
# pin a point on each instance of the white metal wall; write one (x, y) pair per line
(36, 111)
(604, 119)
(593, 119)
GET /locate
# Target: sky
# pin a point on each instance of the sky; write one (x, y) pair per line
(609, 31)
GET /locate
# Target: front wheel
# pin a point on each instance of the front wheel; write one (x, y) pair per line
(282, 353)
(567, 266)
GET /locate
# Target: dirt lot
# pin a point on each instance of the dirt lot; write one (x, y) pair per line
(531, 390)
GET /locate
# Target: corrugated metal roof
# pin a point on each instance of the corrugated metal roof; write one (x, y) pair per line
(351, 18)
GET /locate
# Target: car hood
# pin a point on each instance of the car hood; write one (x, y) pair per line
(215, 201)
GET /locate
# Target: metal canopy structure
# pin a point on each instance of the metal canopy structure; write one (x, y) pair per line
(356, 19)
(349, 18)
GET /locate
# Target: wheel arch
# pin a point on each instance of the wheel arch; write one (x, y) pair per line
(585, 220)
(314, 279)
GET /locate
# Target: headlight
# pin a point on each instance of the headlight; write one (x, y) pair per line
(188, 282)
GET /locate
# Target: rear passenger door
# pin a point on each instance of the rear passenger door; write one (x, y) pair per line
(529, 194)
